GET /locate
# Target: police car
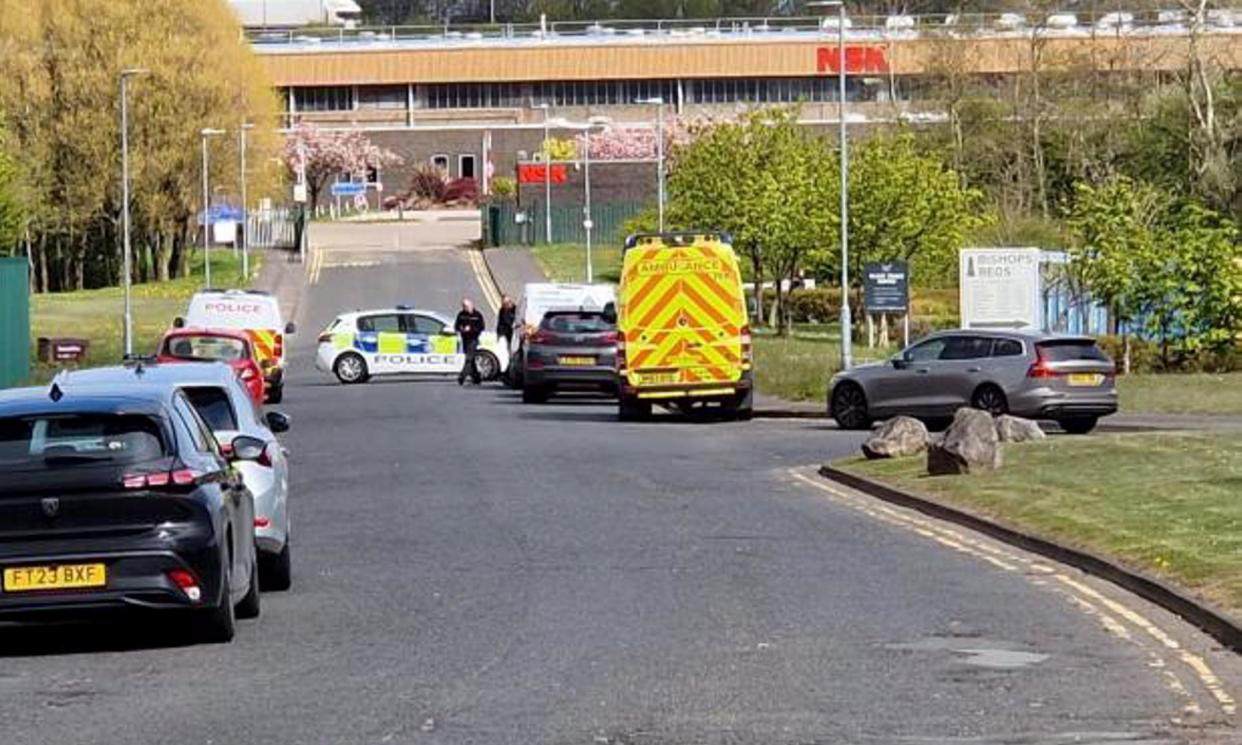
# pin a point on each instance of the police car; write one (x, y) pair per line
(399, 341)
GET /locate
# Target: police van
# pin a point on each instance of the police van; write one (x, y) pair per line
(400, 341)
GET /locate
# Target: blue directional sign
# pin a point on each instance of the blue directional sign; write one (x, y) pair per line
(348, 189)
(222, 213)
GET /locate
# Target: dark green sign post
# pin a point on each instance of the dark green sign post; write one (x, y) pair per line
(14, 321)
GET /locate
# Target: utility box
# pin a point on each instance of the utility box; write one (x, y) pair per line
(14, 321)
(62, 350)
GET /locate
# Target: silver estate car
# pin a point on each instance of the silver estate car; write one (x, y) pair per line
(1031, 374)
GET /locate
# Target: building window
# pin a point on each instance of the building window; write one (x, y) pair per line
(603, 92)
(441, 162)
(324, 98)
(473, 96)
(465, 166)
(385, 97)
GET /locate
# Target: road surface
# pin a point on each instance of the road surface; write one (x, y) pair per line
(469, 569)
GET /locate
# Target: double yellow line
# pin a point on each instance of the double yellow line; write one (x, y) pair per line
(478, 265)
(314, 267)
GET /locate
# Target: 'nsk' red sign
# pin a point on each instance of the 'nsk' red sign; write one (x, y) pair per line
(536, 173)
(858, 59)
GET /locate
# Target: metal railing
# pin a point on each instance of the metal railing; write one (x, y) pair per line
(776, 27)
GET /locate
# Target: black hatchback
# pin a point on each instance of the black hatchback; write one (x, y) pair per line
(122, 501)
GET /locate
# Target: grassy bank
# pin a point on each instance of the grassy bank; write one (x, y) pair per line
(96, 315)
(566, 262)
(1164, 503)
(1173, 393)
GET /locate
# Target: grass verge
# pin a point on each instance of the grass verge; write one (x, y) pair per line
(1175, 393)
(566, 262)
(96, 315)
(1163, 503)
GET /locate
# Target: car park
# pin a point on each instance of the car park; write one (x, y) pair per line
(224, 405)
(233, 348)
(571, 349)
(122, 500)
(256, 314)
(361, 345)
(683, 340)
(1037, 375)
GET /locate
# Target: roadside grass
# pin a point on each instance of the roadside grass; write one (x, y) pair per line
(1164, 503)
(1178, 393)
(798, 367)
(96, 315)
(566, 262)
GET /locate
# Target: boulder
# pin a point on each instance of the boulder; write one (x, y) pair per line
(896, 437)
(970, 444)
(1017, 429)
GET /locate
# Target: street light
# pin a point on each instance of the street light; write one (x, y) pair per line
(206, 134)
(245, 210)
(128, 269)
(547, 174)
(846, 325)
(588, 224)
(658, 102)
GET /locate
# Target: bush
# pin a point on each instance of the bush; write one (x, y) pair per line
(461, 191)
(504, 188)
(428, 183)
(1145, 357)
(646, 221)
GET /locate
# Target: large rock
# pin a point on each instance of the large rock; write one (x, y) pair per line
(896, 437)
(1017, 429)
(970, 444)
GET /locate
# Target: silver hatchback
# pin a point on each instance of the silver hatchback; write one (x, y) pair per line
(1032, 374)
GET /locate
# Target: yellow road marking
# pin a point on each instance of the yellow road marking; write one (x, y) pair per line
(1077, 592)
(484, 279)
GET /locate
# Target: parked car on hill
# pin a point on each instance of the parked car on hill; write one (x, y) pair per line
(572, 349)
(1037, 375)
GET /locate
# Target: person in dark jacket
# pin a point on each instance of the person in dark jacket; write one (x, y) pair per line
(469, 325)
(504, 320)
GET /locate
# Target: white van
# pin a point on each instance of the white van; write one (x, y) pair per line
(540, 297)
(257, 314)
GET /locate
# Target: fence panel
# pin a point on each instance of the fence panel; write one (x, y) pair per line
(503, 229)
(14, 321)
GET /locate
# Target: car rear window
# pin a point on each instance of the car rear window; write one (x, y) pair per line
(1071, 350)
(213, 405)
(209, 348)
(577, 323)
(73, 439)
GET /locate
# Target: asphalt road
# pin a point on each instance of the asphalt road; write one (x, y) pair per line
(472, 570)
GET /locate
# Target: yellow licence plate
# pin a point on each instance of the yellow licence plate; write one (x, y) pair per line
(62, 577)
(576, 361)
(1085, 379)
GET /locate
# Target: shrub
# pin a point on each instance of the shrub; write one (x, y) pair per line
(428, 183)
(646, 221)
(504, 188)
(461, 191)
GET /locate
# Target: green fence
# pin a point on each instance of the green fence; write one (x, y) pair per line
(502, 228)
(14, 321)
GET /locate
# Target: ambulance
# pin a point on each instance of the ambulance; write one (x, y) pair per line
(257, 315)
(683, 338)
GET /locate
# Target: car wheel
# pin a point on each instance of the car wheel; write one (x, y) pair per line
(532, 394)
(849, 406)
(742, 407)
(250, 605)
(218, 625)
(1079, 425)
(991, 399)
(633, 409)
(486, 364)
(276, 570)
(276, 393)
(350, 368)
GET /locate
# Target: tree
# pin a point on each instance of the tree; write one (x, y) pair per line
(1115, 227)
(326, 154)
(905, 205)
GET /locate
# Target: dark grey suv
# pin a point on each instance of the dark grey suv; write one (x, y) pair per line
(1027, 373)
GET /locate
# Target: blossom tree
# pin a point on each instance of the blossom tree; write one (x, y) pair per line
(621, 142)
(325, 154)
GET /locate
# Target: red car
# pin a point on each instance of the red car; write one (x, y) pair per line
(216, 345)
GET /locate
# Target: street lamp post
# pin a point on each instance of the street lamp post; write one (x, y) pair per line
(547, 174)
(206, 134)
(846, 322)
(588, 223)
(245, 207)
(659, 104)
(127, 260)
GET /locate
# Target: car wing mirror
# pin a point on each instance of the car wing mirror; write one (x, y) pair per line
(901, 362)
(610, 313)
(245, 447)
(178, 322)
(291, 328)
(277, 421)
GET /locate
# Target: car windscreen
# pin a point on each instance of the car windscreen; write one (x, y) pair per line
(206, 347)
(66, 440)
(1071, 350)
(577, 323)
(213, 405)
